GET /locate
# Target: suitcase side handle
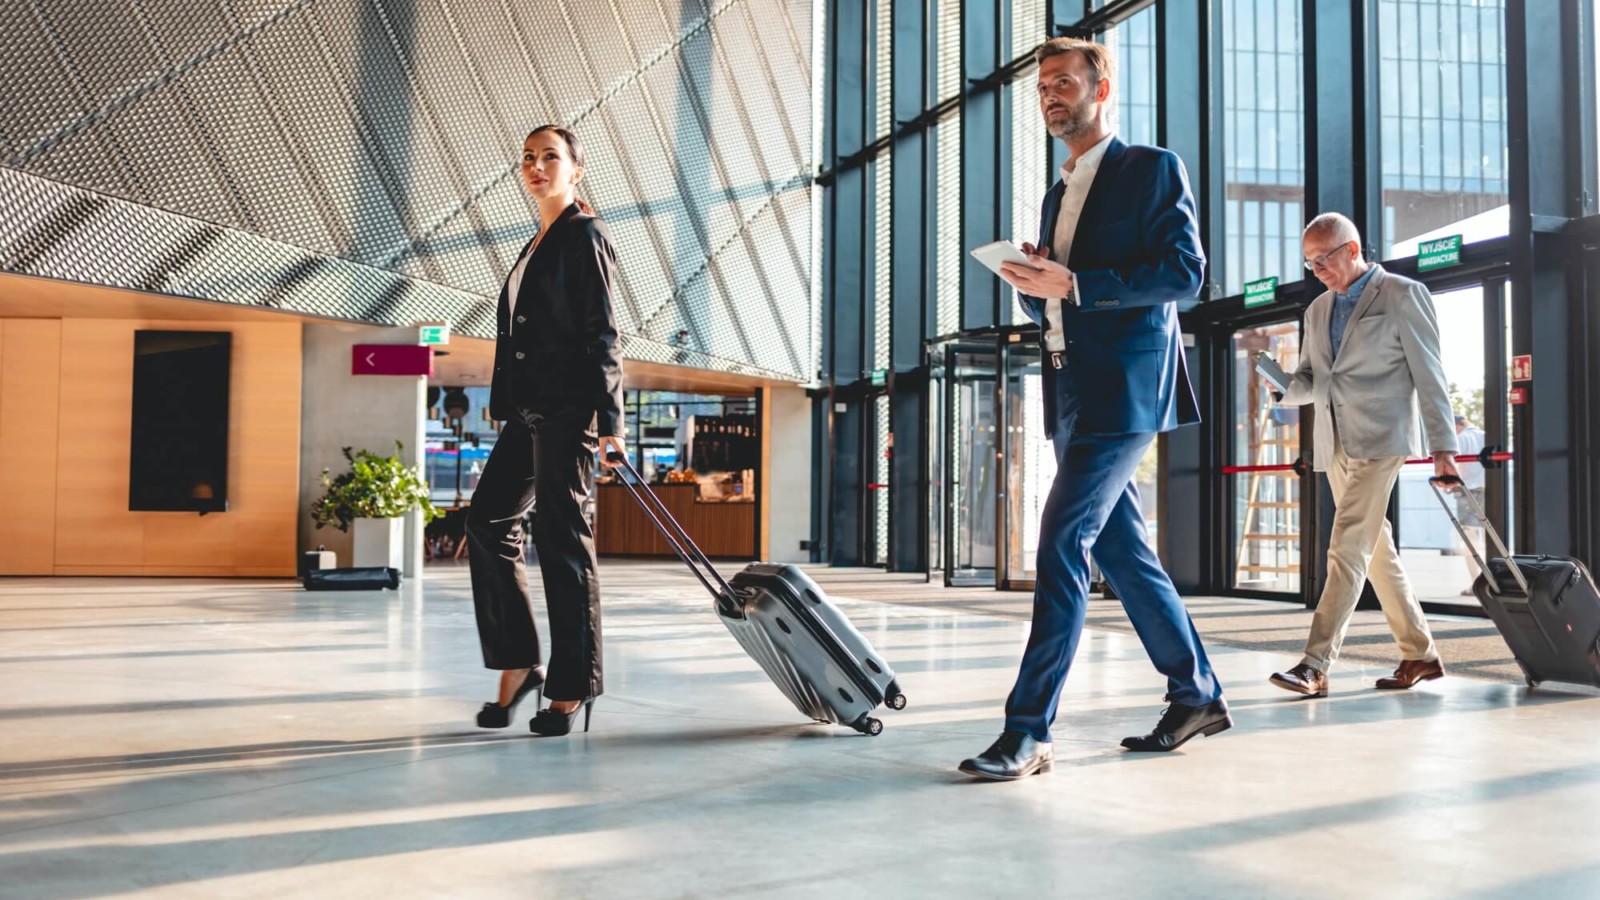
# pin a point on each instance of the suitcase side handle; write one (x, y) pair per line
(681, 543)
(1452, 481)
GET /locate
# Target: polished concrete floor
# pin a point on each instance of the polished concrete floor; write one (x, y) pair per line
(188, 738)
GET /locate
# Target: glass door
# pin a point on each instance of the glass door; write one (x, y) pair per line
(1435, 559)
(1264, 492)
(1029, 460)
(971, 463)
(878, 486)
(1030, 464)
(936, 469)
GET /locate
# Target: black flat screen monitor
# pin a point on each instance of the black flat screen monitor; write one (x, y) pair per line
(180, 421)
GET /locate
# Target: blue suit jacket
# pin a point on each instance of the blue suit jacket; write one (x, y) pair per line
(1136, 255)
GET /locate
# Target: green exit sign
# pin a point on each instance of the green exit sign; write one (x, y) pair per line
(1260, 293)
(428, 335)
(880, 377)
(1439, 254)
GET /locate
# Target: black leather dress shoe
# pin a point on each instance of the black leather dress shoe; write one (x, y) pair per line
(1302, 679)
(1180, 723)
(1015, 755)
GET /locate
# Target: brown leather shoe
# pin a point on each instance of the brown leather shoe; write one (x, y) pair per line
(1410, 672)
(1302, 679)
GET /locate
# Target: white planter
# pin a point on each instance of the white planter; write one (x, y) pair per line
(379, 542)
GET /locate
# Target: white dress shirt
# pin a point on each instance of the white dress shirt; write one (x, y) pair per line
(1078, 175)
(514, 281)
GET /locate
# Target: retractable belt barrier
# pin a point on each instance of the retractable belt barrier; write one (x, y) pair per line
(1488, 457)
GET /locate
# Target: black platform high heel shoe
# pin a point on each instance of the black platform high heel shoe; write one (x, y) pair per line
(550, 723)
(493, 715)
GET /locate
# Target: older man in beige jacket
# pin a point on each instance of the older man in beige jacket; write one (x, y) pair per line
(1370, 366)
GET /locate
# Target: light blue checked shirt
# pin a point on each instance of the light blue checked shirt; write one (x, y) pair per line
(1343, 305)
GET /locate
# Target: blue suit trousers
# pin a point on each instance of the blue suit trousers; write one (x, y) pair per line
(1093, 507)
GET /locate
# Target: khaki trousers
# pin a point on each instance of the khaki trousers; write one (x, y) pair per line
(1362, 548)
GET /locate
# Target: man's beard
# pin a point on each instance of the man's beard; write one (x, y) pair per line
(1079, 121)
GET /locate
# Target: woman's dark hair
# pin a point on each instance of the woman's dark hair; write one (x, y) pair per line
(574, 149)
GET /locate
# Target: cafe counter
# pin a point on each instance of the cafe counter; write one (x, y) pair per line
(725, 530)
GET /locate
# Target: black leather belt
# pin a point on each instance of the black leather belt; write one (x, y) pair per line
(1058, 360)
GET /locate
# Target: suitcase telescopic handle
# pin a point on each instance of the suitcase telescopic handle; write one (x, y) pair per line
(1455, 482)
(682, 544)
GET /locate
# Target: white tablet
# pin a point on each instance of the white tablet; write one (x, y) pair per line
(1269, 369)
(992, 255)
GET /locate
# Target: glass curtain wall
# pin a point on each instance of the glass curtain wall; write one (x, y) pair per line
(1442, 101)
(1134, 43)
(1024, 166)
(1264, 138)
(878, 489)
(1440, 95)
(1029, 27)
(947, 173)
(1030, 169)
(882, 172)
(882, 178)
(947, 227)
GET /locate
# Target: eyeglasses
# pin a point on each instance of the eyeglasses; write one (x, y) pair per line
(1321, 262)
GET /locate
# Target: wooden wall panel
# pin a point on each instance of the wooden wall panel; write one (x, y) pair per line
(94, 532)
(94, 526)
(763, 491)
(30, 373)
(264, 449)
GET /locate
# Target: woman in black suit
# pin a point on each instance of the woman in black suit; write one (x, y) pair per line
(558, 386)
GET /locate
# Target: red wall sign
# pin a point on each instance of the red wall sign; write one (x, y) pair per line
(1522, 368)
(1518, 396)
(391, 359)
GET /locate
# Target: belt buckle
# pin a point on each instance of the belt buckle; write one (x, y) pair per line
(1056, 360)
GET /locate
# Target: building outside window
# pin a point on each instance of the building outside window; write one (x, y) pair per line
(1263, 140)
(1134, 44)
(1442, 102)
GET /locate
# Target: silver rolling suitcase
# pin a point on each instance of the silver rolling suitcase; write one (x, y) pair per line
(787, 624)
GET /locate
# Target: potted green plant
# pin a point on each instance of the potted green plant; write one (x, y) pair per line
(372, 497)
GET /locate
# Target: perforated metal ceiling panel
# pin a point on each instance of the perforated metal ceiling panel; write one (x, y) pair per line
(357, 158)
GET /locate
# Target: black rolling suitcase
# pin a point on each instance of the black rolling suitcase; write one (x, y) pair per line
(365, 578)
(809, 649)
(1546, 607)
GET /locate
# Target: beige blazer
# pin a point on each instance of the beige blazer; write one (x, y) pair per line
(1387, 390)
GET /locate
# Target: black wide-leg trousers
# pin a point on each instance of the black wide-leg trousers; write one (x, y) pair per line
(558, 462)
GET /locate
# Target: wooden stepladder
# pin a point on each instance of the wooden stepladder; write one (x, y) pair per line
(1269, 538)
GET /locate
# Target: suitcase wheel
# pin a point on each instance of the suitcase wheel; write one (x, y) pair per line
(895, 701)
(869, 725)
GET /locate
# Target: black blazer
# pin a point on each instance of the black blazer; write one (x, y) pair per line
(560, 361)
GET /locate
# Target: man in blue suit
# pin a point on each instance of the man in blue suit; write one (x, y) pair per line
(1118, 250)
